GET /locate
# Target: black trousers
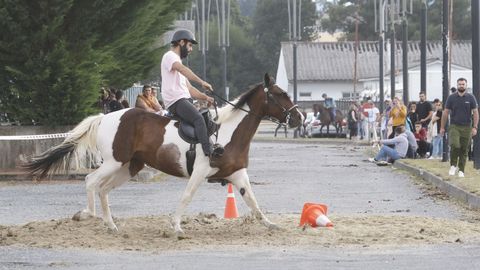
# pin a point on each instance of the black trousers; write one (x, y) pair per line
(184, 109)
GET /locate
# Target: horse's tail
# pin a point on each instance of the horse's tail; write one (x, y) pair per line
(81, 142)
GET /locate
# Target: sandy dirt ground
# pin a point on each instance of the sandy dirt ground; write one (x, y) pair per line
(206, 231)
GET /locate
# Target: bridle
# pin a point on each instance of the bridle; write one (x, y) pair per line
(268, 96)
(286, 112)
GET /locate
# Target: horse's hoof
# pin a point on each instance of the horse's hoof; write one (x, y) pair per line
(273, 227)
(81, 215)
(181, 235)
(112, 228)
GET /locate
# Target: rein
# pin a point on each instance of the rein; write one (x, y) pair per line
(276, 121)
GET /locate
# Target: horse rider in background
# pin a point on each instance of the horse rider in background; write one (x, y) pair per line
(329, 103)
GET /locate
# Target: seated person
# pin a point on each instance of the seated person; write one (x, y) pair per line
(147, 101)
(421, 138)
(399, 150)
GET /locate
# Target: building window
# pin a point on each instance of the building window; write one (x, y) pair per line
(350, 95)
(305, 94)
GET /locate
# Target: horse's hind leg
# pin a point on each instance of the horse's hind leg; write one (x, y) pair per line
(91, 181)
(120, 176)
(242, 182)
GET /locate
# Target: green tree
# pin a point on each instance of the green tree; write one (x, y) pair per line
(270, 27)
(341, 18)
(56, 54)
(243, 68)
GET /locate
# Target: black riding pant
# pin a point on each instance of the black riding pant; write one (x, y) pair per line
(184, 109)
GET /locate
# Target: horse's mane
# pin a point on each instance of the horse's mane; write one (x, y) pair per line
(228, 110)
(242, 99)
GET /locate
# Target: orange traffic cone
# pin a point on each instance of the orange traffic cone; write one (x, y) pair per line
(315, 215)
(230, 206)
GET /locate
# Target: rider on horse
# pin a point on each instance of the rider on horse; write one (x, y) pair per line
(330, 105)
(177, 92)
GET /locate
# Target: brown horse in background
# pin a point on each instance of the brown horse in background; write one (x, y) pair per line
(325, 119)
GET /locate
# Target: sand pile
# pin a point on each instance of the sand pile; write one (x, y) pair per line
(153, 233)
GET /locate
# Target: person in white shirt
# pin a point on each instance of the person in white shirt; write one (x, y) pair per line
(373, 115)
(177, 92)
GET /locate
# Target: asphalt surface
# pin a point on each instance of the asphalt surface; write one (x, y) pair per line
(284, 176)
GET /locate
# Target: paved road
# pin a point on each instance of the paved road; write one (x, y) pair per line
(284, 176)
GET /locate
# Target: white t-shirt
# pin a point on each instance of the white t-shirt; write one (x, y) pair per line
(174, 84)
(372, 114)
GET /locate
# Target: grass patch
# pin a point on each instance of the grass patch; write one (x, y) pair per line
(471, 182)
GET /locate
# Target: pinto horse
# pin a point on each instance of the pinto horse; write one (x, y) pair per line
(130, 138)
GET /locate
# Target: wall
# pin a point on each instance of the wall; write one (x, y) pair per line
(14, 152)
(333, 89)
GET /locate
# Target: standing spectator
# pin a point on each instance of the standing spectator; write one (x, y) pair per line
(424, 110)
(352, 120)
(115, 104)
(434, 130)
(373, 116)
(399, 150)
(329, 103)
(118, 102)
(460, 106)
(104, 100)
(412, 116)
(120, 97)
(146, 101)
(364, 117)
(386, 119)
(398, 114)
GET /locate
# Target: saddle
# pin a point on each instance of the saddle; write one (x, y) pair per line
(186, 131)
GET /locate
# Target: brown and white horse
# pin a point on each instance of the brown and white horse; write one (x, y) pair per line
(130, 138)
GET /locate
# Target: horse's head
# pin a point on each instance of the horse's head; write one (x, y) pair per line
(279, 105)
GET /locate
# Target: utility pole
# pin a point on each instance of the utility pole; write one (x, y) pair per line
(445, 77)
(423, 47)
(292, 19)
(475, 11)
(355, 63)
(380, 28)
(203, 43)
(405, 53)
(392, 62)
(381, 51)
(224, 39)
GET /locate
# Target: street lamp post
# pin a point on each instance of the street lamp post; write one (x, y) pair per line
(475, 10)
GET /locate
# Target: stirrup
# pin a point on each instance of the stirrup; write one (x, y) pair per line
(217, 150)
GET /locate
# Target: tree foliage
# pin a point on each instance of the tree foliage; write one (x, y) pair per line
(341, 17)
(270, 28)
(243, 67)
(56, 54)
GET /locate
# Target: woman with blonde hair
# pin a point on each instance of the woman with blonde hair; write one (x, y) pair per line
(398, 115)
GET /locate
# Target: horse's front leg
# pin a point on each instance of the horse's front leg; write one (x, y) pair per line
(241, 181)
(198, 175)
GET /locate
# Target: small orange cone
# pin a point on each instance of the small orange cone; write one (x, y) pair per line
(314, 215)
(230, 206)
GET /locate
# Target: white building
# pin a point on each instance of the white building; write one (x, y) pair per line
(328, 67)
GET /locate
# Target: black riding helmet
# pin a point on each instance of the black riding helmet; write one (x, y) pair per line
(183, 34)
